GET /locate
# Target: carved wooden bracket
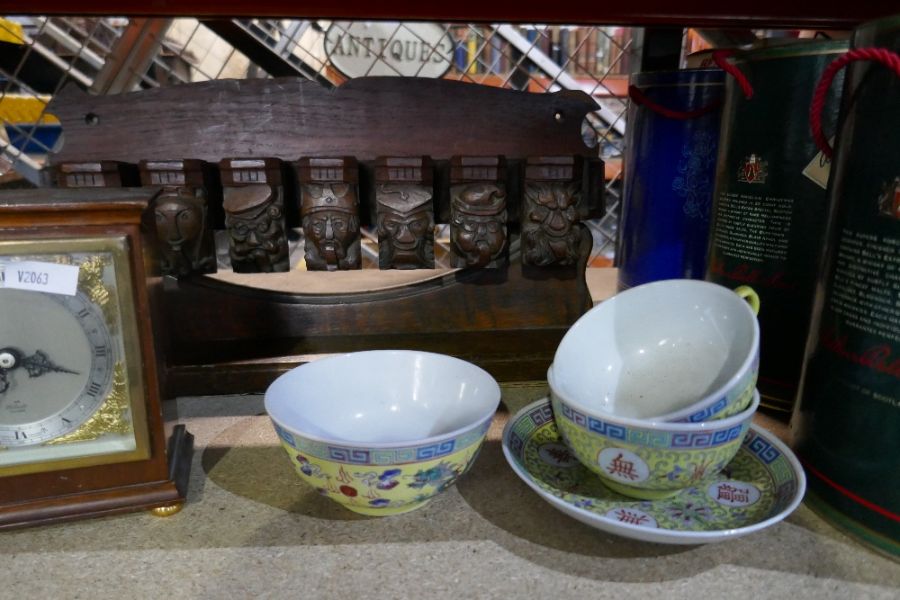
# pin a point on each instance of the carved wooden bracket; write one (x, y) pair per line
(184, 239)
(255, 214)
(478, 215)
(405, 212)
(551, 232)
(183, 214)
(329, 212)
(356, 152)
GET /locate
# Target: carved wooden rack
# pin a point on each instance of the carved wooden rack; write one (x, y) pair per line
(254, 154)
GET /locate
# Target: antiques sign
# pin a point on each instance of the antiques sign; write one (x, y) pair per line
(360, 49)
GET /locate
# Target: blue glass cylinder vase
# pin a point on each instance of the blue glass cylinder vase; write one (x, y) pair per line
(670, 169)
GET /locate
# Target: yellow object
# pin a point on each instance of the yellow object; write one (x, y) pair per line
(21, 108)
(749, 294)
(11, 32)
(647, 459)
(377, 489)
(168, 510)
(472, 51)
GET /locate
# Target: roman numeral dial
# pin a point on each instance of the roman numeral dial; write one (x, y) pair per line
(57, 360)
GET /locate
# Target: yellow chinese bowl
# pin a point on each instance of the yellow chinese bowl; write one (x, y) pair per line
(644, 458)
(384, 431)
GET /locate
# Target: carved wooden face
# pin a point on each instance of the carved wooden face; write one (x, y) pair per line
(331, 232)
(259, 232)
(407, 236)
(179, 220)
(406, 230)
(478, 223)
(552, 207)
(549, 234)
(480, 239)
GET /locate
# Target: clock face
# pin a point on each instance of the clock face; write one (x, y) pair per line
(56, 364)
(69, 368)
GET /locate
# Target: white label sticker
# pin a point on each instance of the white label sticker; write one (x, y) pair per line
(40, 277)
(819, 168)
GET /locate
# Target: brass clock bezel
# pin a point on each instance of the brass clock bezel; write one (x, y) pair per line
(119, 312)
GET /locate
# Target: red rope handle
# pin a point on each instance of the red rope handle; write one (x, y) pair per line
(640, 98)
(720, 57)
(886, 57)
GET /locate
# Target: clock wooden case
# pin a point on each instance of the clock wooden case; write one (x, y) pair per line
(81, 427)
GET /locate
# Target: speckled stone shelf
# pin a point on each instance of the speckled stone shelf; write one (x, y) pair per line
(251, 528)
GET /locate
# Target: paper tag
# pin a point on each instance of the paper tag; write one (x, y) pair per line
(819, 167)
(36, 276)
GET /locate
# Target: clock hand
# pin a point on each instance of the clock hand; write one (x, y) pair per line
(39, 364)
(36, 365)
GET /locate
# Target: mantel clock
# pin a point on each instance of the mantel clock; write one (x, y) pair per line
(81, 428)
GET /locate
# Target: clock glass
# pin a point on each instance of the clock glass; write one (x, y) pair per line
(69, 365)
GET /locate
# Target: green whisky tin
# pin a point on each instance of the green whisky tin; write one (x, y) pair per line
(847, 420)
(770, 205)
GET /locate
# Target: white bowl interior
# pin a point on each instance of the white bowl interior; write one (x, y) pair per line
(382, 397)
(656, 348)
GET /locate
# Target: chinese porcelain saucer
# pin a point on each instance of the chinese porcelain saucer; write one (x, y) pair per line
(762, 485)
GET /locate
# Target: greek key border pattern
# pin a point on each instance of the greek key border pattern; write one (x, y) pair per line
(516, 444)
(708, 439)
(593, 425)
(541, 414)
(522, 428)
(653, 439)
(707, 412)
(388, 456)
(761, 448)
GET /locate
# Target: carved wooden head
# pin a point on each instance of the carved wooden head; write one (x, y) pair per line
(478, 224)
(330, 216)
(549, 234)
(183, 232)
(405, 227)
(180, 216)
(254, 216)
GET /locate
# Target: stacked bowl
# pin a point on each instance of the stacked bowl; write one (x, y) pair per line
(654, 389)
